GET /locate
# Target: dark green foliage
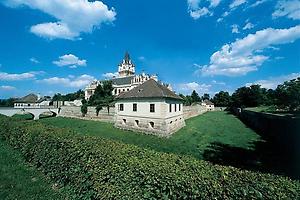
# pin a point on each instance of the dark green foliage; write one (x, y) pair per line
(288, 95)
(102, 96)
(102, 169)
(84, 109)
(195, 97)
(7, 102)
(222, 99)
(187, 100)
(18, 180)
(205, 97)
(252, 96)
(69, 97)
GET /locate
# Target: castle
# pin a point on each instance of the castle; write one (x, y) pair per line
(125, 81)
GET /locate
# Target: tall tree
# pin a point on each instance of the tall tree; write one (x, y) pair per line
(195, 97)
(222, 99)
(102, 96)
(205, 96)
(288, 95)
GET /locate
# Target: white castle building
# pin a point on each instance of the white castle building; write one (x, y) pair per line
(125, 81)
(150, 108)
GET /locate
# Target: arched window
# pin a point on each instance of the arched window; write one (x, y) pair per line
(151, 124)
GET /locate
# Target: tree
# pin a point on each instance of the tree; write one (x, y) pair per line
(222, 99)
(187, 100)
(195, 97)
(205, 97)
(84, 109)
(287, 95)
(69, 97)
(7, 102)
(102, 96)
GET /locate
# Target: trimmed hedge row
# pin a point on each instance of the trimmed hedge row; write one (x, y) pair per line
(95, 168)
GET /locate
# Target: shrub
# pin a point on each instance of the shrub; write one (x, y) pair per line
(84, 109)
(97, 168)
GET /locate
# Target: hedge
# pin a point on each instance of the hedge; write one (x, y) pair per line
(96, 168)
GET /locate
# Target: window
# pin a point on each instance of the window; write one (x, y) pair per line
(179, 107)
(116, 91)
(134, 107)
(121, 107)
(152, 107)
(137, 122)
(151, 124)
(170, 107)
(175, 107)
(124, 121)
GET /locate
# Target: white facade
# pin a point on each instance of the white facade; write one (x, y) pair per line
(208, 105)
(166, 119)
(125, 81)
(32, 105)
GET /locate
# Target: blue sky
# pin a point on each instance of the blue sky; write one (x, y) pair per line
(55, 46)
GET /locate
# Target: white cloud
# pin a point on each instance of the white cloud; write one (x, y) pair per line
(236, 3)
(197, 10)
(189, 87)
(73, 16)
(141, 58)
(110, 75)
(249, 25)
(240, 57)
(214, 3)
(218, 82)
(75, 82)
(34, 60)
(69, 60)
(7, 88)
(235, 28)
(257, 3)
(289, 9)
(18, 77)
(272, 82)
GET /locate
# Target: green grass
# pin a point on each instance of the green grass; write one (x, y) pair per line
(194, 139)
(20, 181)
(26, 116)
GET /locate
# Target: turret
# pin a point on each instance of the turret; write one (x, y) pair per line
(126, 67)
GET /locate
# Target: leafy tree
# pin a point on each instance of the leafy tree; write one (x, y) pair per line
(195, 97)
(102, 96)
(222, 99)
(7, 102)
(69, 97)
(84, 109)
(249, 96)
(288, 95)
(205, 97)
(187, 100)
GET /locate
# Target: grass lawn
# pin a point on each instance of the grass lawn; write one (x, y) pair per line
(198, 135)
(20, 181)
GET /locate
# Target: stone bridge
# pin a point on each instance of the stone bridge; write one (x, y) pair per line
(35, 112)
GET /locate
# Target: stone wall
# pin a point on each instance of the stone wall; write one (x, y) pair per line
(192, 111)
(75, 112)
(153, 126)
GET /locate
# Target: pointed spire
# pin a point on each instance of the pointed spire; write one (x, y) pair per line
(127, 57)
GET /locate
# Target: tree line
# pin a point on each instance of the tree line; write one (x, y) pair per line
(286, 97)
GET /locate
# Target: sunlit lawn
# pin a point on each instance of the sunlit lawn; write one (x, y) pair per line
(199, 133)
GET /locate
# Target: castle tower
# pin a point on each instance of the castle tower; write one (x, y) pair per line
(126, 68)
